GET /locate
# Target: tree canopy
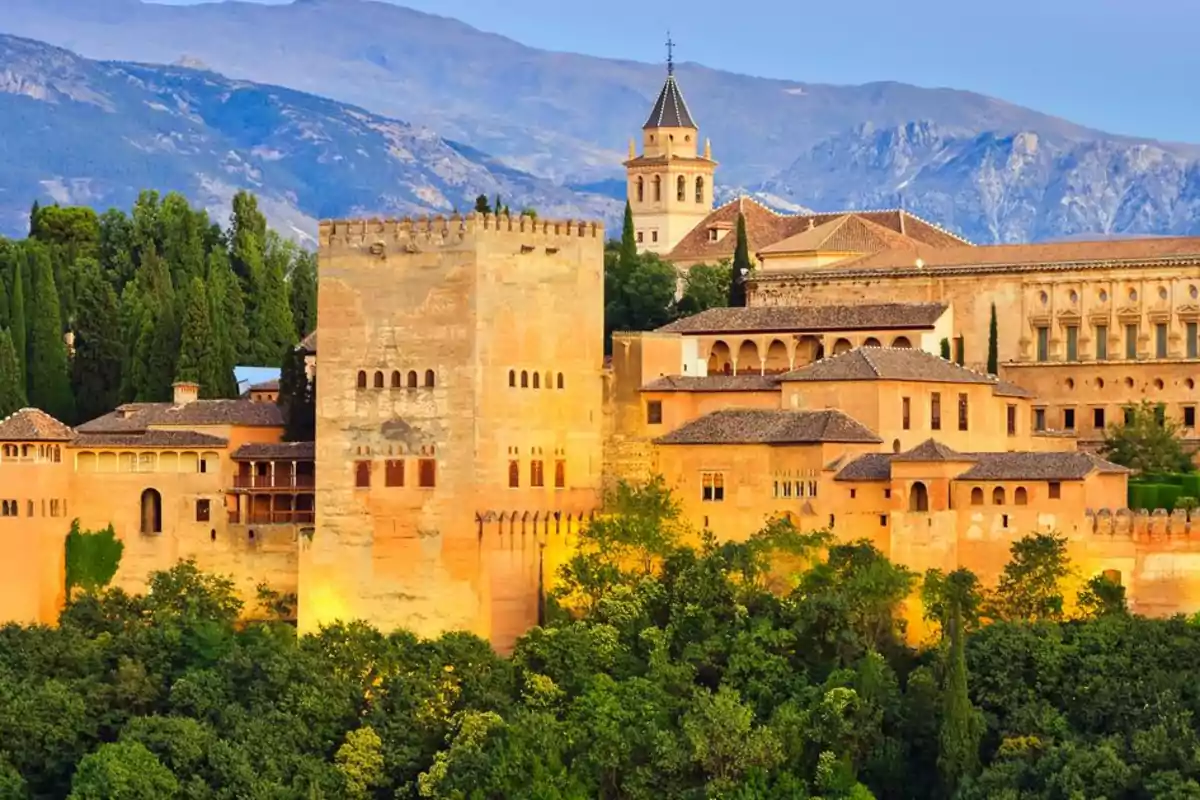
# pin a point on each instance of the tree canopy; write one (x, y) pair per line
(1146, 441)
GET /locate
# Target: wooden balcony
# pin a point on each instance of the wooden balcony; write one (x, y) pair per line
(280, 483)
(263, 517)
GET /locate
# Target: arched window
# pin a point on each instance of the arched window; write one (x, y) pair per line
(412, 379)
(641, 189)
(699, 190)
(514, 474)
(362, 474)
(378, 379)
(151, 511)
(895, 445)
(560, 380)
(998, 496)
(901, 341)
(977, 496)
(657, 188)
(512, 377)
(430, 379)
(536, 379)
(871, 341)
(362, 379)
(1020, 496)
(397, 381)
(524, 379)
(918, 497)
(681, 189)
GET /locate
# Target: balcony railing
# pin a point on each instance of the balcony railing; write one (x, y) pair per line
(273, 518)
(284, 482)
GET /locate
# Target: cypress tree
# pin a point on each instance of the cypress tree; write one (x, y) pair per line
(297, 399)
(993, 363)
(247, 242)
(96, 367)
(629, 252)
(183, 232)
(302, 289)
(228, 314)
(49, 378)
(12, 390)
(741, 266)
(132, 313)
(481, 205)
(271, 325)
(34, 212)
(156, 346)
(5, 279)
(960, 350)
(18, 328)
(961, 731)
(199, 359)
(944, 347)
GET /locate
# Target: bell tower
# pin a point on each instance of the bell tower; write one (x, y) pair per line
(670, 185)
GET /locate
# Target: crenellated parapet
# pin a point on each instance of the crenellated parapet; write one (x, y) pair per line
(438, 230)
(1143, 525)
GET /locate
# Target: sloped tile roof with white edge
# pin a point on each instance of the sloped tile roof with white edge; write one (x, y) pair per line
(772, 427)
(33, 425)
(800, 319)
(670, 110)
(887, 363)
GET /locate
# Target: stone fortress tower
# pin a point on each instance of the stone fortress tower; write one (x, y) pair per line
(670, 185)
(458, 420)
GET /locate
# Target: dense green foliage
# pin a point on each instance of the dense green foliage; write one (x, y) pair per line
(103, 309)
(944, 348)
(297, 399)
(12, 388)
(92, 558)
(741, 265)
(1147, 441)
(662, 671)
(993, 355)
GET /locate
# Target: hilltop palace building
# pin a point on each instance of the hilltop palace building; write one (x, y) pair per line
(468, 420)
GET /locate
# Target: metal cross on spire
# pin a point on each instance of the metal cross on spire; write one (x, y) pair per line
(670, 55)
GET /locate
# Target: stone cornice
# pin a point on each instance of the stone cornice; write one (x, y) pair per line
(850, 273)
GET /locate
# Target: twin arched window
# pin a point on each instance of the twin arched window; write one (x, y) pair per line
(641, 189)
(681, 189)
(657, 188)
(552, 379)
(699, 190)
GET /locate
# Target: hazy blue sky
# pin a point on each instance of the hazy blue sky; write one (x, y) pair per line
(1126, 66)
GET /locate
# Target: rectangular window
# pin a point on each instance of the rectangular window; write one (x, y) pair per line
(1160, 340)
(54, 510)
(536, 477)
(1012, 420)
(639, 237)
(1128, 415)
(962, 412)
(906, 412)
(560, 474)
(812, 488)
(1043, 343)
(883, 520)
(1160, 414)
(393, 473)
(1039, 419)
(1131, 342)
(203, 510)
(935, 411)
(654, 412)
(362, 474)
(887, 494)
(427, 473)
(1098, 418)
(1055, 490)
(853, 493)
(713, 487)
(1068, 419)
(654, 236)
(1072, 343)
(1192, 344)
(1101, 342)
(1189, 416)
(960, 350)
(787, 489)
(514, 474)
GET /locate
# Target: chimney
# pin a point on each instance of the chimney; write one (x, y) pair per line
(185, 392)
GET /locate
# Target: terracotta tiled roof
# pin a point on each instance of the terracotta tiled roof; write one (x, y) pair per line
(867, 467)
(1007, 389)
(33, 425)
(133, 417)
(276, 451)
(713, 383)
(309, 343)
(765, 227)
(155, 439)
(770, 426)
(847, 234)
(266, 386)
(670, 111)
(887, 363)
(929, 450)
(1037, 466)
(1026, 257)
(764, 319)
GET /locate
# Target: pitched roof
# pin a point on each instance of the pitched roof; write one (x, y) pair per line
(670, 111)
(930, 450)
(1065, 466)
(763, 319)
(276, 451)
(1028, 257)
(33, 425)
(845, 234)
(765, 227)
(1008, 389)
(712, 383)
(156, 439)
(770, 426)
(133, 417)
(266, 386)
(887, 363)
(867, 467)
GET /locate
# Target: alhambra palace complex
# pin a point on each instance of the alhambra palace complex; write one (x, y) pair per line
(468, 418)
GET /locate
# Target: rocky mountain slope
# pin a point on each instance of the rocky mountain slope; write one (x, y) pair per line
(991, 170)
(81, 131)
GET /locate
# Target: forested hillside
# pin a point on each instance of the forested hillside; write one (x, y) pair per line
(96, 310)
(662, 671)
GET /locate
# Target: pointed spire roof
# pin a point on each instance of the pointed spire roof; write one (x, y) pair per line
(670, 110)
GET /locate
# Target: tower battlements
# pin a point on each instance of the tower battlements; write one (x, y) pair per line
(439, 230)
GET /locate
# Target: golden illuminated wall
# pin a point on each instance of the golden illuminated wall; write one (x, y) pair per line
(501, 323)
(32, 569)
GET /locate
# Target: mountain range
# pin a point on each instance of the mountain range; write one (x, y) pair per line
(543, 122)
